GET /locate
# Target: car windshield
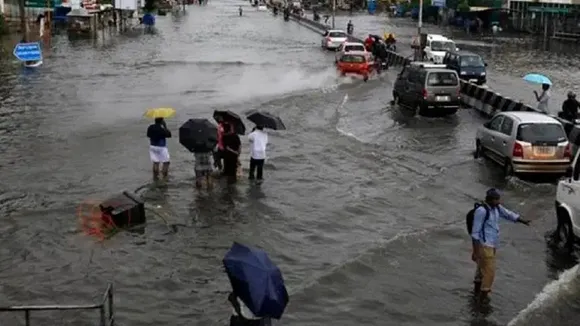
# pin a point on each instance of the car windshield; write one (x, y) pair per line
(353, 58)
(442, 46)
(354, 48)
(471, 61)
(336, 34)
(541, 132)
(442, 78)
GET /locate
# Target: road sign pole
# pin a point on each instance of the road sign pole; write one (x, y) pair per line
(23, 23)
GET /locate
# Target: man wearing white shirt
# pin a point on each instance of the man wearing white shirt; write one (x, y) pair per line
(258, 141)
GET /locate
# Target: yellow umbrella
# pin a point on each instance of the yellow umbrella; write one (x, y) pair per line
(160, 113)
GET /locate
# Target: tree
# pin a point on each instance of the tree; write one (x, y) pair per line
(463, 6)
(3, 27)
(150, 5)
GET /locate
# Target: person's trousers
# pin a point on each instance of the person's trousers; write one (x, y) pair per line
(256, 165)
(217, 158)
(231, 168)
(485, 273)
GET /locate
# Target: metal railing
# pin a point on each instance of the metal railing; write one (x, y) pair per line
(106, 302)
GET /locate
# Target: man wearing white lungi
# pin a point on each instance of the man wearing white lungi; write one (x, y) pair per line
(158, 134)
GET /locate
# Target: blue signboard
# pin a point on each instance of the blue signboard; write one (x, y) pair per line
(439, 3)
(28, 51)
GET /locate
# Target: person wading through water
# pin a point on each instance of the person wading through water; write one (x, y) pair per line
(232, 149)
(483, 225)
(219, 152)
(158, 134)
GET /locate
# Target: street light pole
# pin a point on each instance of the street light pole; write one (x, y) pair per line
(418, 51)
(334, 11)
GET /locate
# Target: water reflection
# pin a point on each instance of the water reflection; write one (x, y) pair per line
(557, 259)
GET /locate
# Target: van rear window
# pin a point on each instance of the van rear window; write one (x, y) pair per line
(442, 78)
(541, 132)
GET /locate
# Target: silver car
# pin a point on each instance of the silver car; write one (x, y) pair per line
(524, 142)
(333, 38)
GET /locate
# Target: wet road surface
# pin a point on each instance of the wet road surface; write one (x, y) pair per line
(363, 207)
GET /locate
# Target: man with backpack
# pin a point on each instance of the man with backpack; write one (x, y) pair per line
(483, 226)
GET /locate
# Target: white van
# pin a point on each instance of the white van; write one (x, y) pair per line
(568, 206)
(437, 46)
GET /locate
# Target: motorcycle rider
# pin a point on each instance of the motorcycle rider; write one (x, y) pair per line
(369, 42)
(380, 53)
(390, 41)
(349, 28)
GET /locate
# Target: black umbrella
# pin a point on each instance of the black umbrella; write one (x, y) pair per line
(232, 118)
(198, 135)
(266, 120)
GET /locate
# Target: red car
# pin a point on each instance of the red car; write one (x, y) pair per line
(358, 63)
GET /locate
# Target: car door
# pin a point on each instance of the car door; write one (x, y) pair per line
(408, 91)
(489, 137)
(505, 139)
(401, 82)
(569, 193)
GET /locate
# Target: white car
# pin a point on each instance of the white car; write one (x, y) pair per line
(437, 46)
(333, 38)
(568, 206)
(349, 47)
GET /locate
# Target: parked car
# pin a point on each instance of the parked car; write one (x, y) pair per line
(568, 207)
(332, 39)
(429, 89)
(356, 62)
(437, 46)
(469, 66)
(524, 142)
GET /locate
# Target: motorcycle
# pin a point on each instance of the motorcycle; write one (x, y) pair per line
(381, 64)
(392, 47)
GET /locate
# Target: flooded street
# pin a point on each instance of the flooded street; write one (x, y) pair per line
(363, 208)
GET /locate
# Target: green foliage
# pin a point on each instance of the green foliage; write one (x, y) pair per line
(3, 26)
(150, 5)
(415, 3)
(463, 6)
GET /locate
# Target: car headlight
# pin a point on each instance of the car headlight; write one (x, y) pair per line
(483, 73)
(463, 73)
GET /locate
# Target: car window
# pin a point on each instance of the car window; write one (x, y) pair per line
(507, 126)
(354, 48)
(353, 58)
(337, 34)
(471, 61)
(442, 78)
(541, 132)
(495, 123)
(404, 74)
(442, 46)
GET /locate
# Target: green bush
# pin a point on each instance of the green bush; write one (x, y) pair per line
(463, 6)
(3, 27)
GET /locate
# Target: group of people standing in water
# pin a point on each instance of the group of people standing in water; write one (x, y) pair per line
(226, 156)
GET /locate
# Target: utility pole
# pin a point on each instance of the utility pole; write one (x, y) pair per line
(23, 22)
(418, 52)
(333, 12)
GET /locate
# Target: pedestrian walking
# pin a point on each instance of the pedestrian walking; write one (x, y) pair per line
(203, 169)
(158, 134)
(484, 229)
(232, 150)
(543, 98)
(258, 142)
(219, 152)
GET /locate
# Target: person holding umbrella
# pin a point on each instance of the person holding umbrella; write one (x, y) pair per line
(258, 141)
(258, 290)
(158, 134)
(232, 147)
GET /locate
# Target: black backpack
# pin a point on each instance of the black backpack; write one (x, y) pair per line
(470, 215)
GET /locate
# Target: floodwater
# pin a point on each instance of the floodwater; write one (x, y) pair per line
(363, 206)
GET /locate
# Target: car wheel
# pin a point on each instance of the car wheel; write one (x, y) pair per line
(366, 78)
(478, 150)
(564, 235)
(508, 168)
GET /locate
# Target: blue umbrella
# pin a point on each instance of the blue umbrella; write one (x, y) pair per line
(537, 79)
(256, 281)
